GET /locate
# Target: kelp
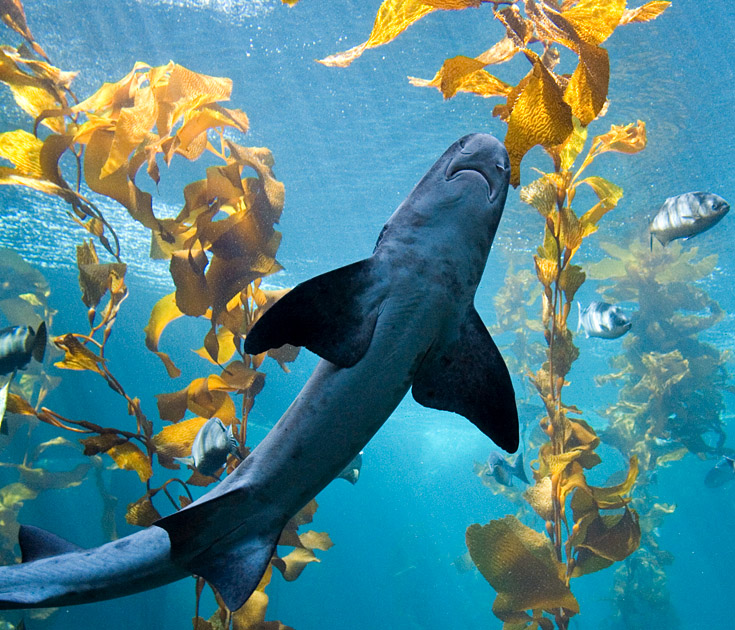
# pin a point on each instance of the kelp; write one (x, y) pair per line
(220, 246)
(604, 527)
(542, 107)
(670, 385)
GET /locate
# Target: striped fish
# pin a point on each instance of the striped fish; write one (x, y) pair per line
(604, 320)
(687, 215)
(18, 344)
(212, 444)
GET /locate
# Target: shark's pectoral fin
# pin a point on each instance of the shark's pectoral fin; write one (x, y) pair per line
(333, 315)
(209, 539)
(468, 376)
(36, 543)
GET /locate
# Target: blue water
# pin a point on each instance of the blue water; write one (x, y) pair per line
(349, 144)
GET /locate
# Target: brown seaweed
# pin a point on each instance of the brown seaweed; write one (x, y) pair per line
(542, 107)
(220, 246)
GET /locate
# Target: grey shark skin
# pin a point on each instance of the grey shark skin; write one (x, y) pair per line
(403, 317)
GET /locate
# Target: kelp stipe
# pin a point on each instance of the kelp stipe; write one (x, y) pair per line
(220, 246)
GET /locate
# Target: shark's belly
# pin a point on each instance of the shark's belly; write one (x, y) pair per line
(336, 414)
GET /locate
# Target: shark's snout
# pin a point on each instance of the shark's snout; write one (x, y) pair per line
(485, 155)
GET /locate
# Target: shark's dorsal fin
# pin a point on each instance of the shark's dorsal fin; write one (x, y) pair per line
(36, 543)
(333, 315)
(467, 375)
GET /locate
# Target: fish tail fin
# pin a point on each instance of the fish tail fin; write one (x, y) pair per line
(520, 471)
(579, 316)
(212, 539)
(650, 235)
(39, 343)
(232, 444)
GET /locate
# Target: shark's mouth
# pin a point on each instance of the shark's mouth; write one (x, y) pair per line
(454, 171)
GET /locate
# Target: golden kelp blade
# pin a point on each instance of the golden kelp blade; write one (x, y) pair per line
(34, 95)
(645, 13)
(394, 17)
(294, 563)
(521, 565)
(608, 538)
(163, 313)
(586, 91)
(464, 74)
(78, 356)
(141, 512)
(595, 20)
(628, 139)
(95, 278)
(210, 396)
(539, 116)
(129, 457)
(175, 440)
(252, 614)
(13, 14)
(23, 149)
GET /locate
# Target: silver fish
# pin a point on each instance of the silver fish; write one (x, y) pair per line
(351, 472)
(722, 472)
(3, 404)
(500, 469)
(212, 444)
(18, 344)
(687, 215)
(604, 320)
(402, 318)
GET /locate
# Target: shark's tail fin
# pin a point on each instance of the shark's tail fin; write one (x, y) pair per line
(211, 539)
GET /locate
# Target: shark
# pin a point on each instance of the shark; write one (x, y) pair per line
(402, 319)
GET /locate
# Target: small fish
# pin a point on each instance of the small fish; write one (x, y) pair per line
(464, 563)
(502, 471)
(18, 344)
(687, 215)
(722, 472)
(351, 472)
(604, 320)
(3, 404)
(211, 446)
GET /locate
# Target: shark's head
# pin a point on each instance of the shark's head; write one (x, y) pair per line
(466, 187)
(478, 169)
(452, 214)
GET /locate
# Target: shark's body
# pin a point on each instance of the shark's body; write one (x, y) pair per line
(403, 317)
